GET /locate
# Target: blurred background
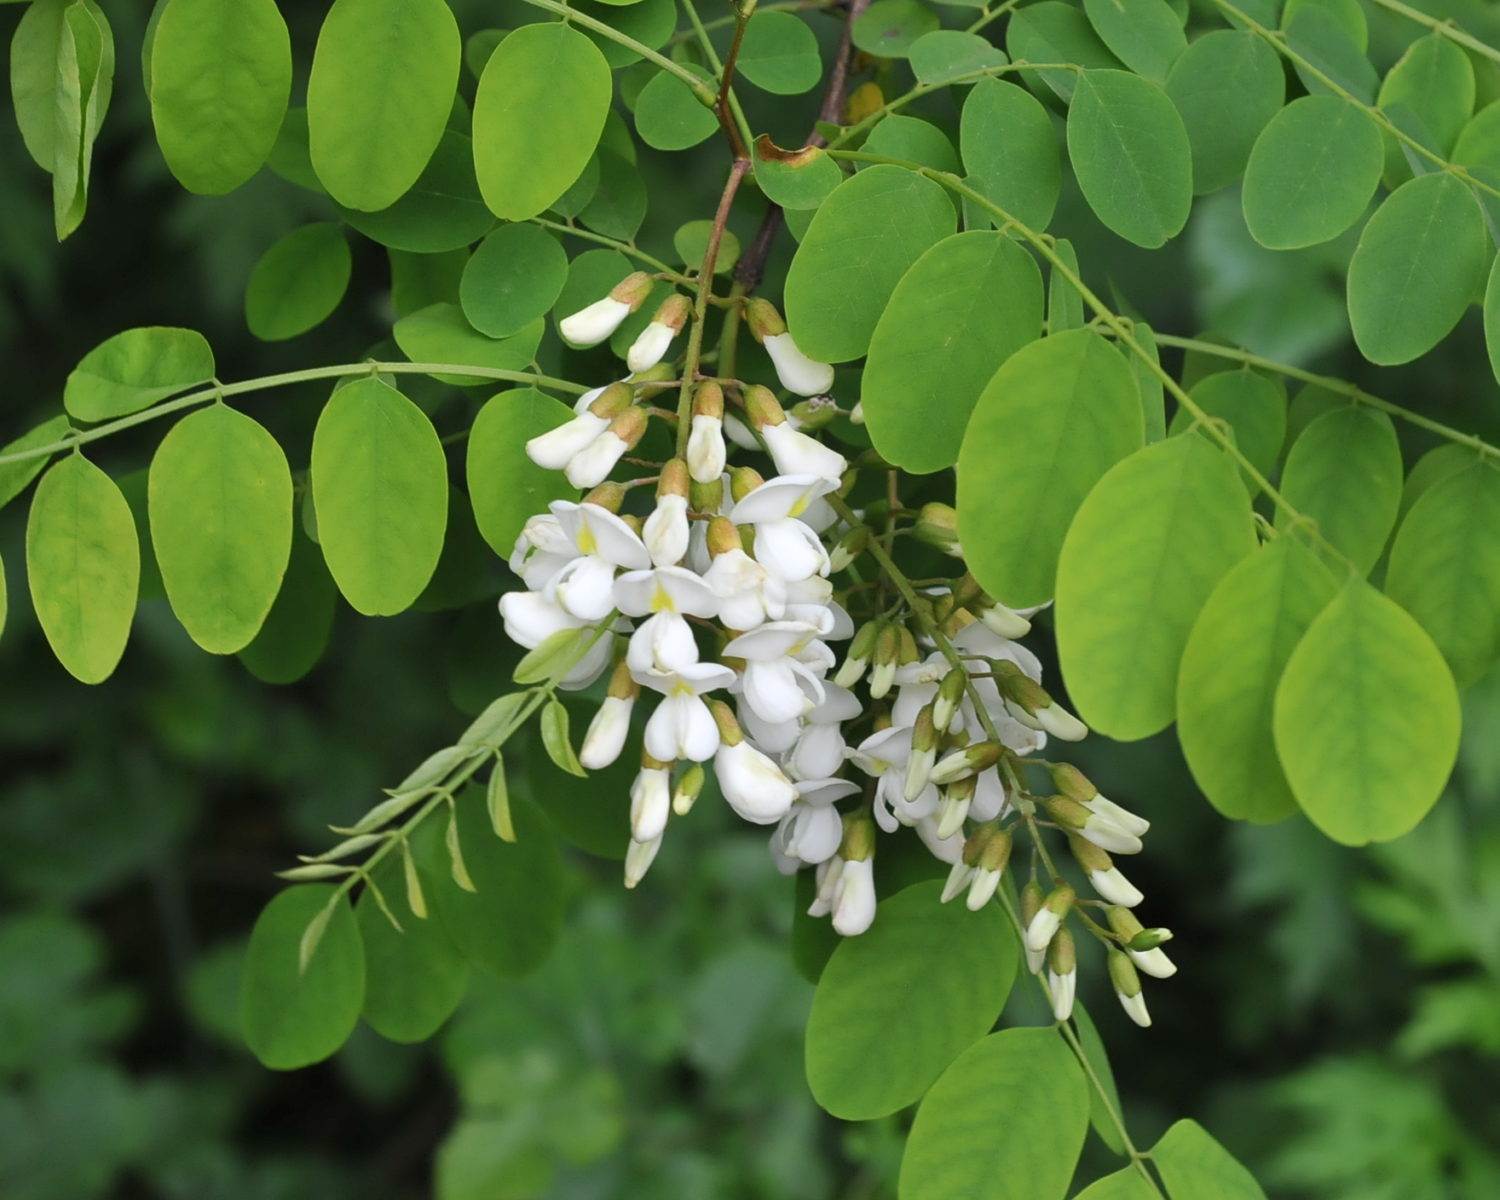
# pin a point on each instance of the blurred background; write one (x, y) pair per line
(1336, 1021)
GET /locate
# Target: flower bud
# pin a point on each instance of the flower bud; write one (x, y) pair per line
(650, 800)
(1031, 904)
(688, 789)
(858, 657)
(706, 497)
(592, 464)
(652, 342)
(966, 762)
(607, 731)
(591, 325)
(958, 797)
(743, 481)
(1062, 974)
(1029, 703)
(1074, 784)
(887, 659)
(557, 447)
(706, 452)
(666, 530)
(1075, 818)
(638, 859)
(937, 525)
(857, 413)
(950, 695)
(849, 547)
(1142, 945)
(924, 744)
(855, 902)
(1104, 876)
(815, 414)
(1049, 918)
(1128, 987)
(990, 859)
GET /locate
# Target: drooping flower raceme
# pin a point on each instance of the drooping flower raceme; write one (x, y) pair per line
(752, 625)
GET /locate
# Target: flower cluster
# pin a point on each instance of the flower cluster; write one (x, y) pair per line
(718, 600)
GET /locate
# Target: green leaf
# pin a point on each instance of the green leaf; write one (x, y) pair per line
(1005, 1122)
(528, 148)
(1311, 172)
(221, 72)
(1227, 85)
(866, 1057)
(1478, 144)
(380, 484)
(514, 277)
(414, 976)
(947, 54)
(1056, 32)
(378, 99)
(33, 78)
(1124, 1184)
(83, 81)
(618, 207)
(440, 334)
(15, 476)
(1434, 80)
(555, 739)
(1131, 155)
(780, 54)
(1254, 407)
(442, 211)
(1366, 719)
(295, 632)
(1145, 35)
(1344, 472)
(888, 28)
(862, 240)
(801, 182)
(1445, 568)
(556, 654)
(135, 369)
(1348, 15)
(221, 524)
(1064, 301)
(691, 243)
(650, 22)
(914, 140)
(1438, 464)
(1103, 1107)
(1420, 260)
(290, 1017)
(1234, 659)
(670, 116)
(1059, 414)
(505, 487)
(298, 282)
(83, 564)
(1010, 151)
(1332, 53)
(509, 922)
(1144, 552)
(1195, 1167)
(965, 306)
(1491, 320)
(1147, 381)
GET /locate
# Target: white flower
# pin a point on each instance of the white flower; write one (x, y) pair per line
(959, 875)
(666, 531)
(530, 618)
(664, 589)
(593, 529)
(591, 325)
(812, 828)
(584, 588)
(795, 453)
(606, 733)
(650, 802)
(854, 898)
(827, 879)
(682, 726)
(1063, 988)
(797, 372)
(649, 346)
(663, 642)
(1135, 1007)
(790, 549)
(592, 465)
(705, 449)
(1043, 927)
(754, 786)
(1154, 962)
(749, 595)
(774, 678)
(821, 747)
(990, 800)
(556, 448)
(542, 550)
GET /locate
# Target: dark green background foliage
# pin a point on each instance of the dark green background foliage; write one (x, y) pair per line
(1337, 1019)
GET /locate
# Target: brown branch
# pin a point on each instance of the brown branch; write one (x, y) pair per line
(752, 264)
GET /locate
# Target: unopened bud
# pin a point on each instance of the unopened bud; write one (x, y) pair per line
(729, 727)
(908, 652)
(1031, 904)
(743, 481)
(1062, 974)
(858, 657)
(1127, 984)
(706, 497)
(708, 400)
(859, 837)
(1049, 918)
(622, 684)
(950, 695)
(762, 319)
(632, 290)
(608, 496)
(661, 373)
(1104, 876)
(937, 525)
(688, 788)
(762, 408)
(674, 479)
(924, 745)
(849, 547)
(723, 537)
(968, 761)
(886, 658)
(612, 401)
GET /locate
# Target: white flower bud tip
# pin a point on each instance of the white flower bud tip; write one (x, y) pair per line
(606, 734)
(706, 451)
(958, 879)
(1154, 962)
(854, 907)
(638, 860)
(1043, 927)
(650, 802)
(1063, 987)
(590, 326)
(982, 888)
(1114, 887)
(557, 447)
(1135, 1008)
(798, 373)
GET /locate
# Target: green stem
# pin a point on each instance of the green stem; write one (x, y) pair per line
(221, 391)
(629, 248)
(1117, 326)
(738, 127)
(989, 16)
(614, 35)
(1279, 44)
(1445, 28)
(1339, 386)
(791, 6)
(1117, 1119)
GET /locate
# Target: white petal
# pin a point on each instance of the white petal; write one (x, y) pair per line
(753, 785)
(590, 666)
(530, 619)
(797, 372)
(1154, 962)
(584, 588)
(789, 549)
(771, 690)
(797, 454)
(706, 451)
(774, 737)
(556, 448)
(814, 833)
(854, 909)
(1063, 988)
(650, 802)
(819, 752)
(590, 326)
(662, 643)
(666, 531)
(606, 733)
(779, 498)
(1115, 888)
(592, 465)
(638, 860)
(649, 346)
